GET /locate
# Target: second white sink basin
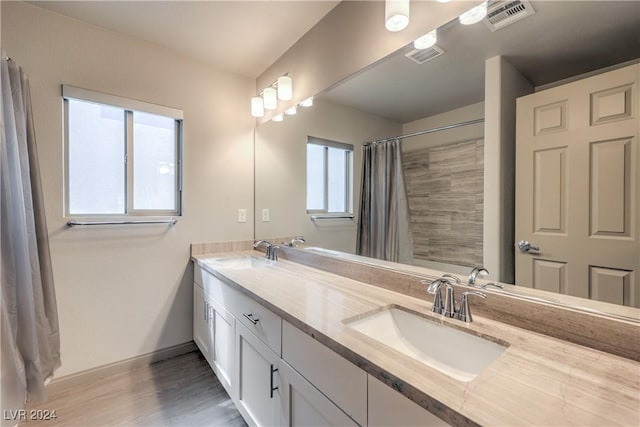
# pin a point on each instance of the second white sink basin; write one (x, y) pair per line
(455, 353)
(238, 263)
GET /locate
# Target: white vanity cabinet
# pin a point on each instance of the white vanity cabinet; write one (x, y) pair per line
(277, 375)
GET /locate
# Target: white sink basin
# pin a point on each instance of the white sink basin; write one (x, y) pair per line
(238, 263)
(455, 353)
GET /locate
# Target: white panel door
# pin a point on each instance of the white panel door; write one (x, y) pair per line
(305, 405)
(201, 322)
(221, 338)
(577, 188)
(257, 388)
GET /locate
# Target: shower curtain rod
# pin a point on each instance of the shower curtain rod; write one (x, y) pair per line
(423, 132)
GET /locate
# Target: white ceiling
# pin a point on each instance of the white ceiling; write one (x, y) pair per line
(562, 39)
(243, 37)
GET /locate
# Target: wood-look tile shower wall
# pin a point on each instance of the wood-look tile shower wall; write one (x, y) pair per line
(445, 192)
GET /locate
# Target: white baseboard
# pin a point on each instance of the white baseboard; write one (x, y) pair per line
(61, 384)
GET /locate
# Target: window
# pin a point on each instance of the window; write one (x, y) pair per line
(329, 176)
(122, 156)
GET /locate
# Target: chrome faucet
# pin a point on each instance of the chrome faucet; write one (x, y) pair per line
(296, 239)
(272, 251)
(477, 271)
(448, 307)
(480, 271)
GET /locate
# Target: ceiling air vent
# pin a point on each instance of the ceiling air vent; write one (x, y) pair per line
(420, 56)
(501, 13)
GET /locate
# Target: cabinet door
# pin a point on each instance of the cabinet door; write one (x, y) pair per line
(257, 393)
(221, 337)
(389, 408)
(201, 322)
(304, 405)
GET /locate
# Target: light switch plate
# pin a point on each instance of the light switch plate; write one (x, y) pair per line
(266, 215)
(242, 215)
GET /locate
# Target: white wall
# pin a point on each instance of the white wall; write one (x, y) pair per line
(281, 170)
(503, 85)
(126, 291)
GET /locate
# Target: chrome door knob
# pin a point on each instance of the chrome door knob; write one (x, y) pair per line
(526, 247)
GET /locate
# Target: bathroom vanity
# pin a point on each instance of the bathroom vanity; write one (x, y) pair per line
(293, 344)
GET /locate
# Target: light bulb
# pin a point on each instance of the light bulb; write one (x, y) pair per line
(285, 88)
(278, 118)
(291, 111)
(396, 15)
(307, 102)
(426, 40)
(257, 106)
(474, 15)
(270, 98)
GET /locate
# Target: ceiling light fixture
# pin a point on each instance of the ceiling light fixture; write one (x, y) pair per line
(257, 106)
(396, 15)
(285, 88)
(270, 98)
(307, 102)
(474, 15)
(426, 41)
(278, 118)
(291, 111)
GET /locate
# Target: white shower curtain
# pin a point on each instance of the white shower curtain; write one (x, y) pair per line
(383, 225)
(30, 339)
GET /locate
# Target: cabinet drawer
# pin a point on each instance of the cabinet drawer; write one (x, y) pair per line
(262, 322)
(216, 289)
(340, 380)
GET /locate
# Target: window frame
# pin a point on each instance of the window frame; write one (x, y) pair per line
(129, 106)
(348, 184)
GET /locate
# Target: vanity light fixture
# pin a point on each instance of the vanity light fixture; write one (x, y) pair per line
(257, 106)
(443, 1)
(278, 118)
(285, 88)
(291, 111)
(474, 15)
(396, 15)
(426, 41)
(307, 102)
(270, 98)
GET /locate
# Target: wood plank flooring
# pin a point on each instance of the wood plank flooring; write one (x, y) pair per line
(182, 391)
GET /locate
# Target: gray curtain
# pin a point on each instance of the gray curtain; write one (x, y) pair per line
(30, 339)
(383, 226)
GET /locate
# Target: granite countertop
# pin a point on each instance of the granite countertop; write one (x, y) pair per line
(538, 380)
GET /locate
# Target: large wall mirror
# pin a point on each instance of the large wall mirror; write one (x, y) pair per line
(549, 45)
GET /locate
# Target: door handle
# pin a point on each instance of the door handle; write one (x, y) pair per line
(526, 247)
(272, 388)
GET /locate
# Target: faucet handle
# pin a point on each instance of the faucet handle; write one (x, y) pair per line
(451, 276)
(495, 285)
(464, 313)
(434, 289)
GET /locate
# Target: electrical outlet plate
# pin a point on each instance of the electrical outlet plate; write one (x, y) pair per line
(266, 215)
(242, 215)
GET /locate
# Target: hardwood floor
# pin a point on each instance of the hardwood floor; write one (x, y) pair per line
(182, 391)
